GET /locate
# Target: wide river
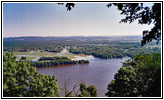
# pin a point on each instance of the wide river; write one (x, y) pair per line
(99, 72)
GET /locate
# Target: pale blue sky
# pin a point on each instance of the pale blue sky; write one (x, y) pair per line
(51, 19)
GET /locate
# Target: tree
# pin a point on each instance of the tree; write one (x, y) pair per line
(144, 15)
(23, 58)
(124, 84)
(79, 89)
(140, 76)
(89, 91)
(22, 80)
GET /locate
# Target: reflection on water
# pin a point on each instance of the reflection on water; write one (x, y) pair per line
(98, 72)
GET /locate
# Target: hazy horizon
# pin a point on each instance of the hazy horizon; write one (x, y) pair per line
(51, 19)
(78, 36)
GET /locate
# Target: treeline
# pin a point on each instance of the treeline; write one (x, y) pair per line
(54, 48)
(53, 58)
(56, 44)
(98, 51)
(113, 51)
(56, 61)
(23, 45)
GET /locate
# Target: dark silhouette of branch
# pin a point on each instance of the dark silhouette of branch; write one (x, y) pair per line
(144, 15)
(69, 6)
(74, 91)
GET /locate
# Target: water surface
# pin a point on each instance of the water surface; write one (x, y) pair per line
(98, 72)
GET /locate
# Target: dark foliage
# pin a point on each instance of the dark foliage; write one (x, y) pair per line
(89, 91)
(69, 6)
(139, 77)
(23, 58)
(22, 80)
(118, 50)
(56, 61)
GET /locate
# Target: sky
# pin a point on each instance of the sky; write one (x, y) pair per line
(51, 19)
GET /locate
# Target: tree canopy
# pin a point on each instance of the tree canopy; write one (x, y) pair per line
(139, 77)
(22, 80)
(82, 91)
(89, 91)
(143, 14)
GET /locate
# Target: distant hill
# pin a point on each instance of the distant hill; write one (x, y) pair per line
(77, 38)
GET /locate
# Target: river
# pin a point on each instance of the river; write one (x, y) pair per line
(99, 72)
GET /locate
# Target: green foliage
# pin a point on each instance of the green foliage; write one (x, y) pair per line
(27, 44)
(81, 90)
(56, 44)
(89, 91)
(124, 81)
(22, 80)
(23, 58)
(52, 58)
(118, 50)
(56, 61)
(102, 47)
(140, 76)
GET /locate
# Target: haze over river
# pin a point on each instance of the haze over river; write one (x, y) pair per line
(99, 72)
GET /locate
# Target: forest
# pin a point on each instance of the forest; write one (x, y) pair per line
(112, 51)
(101, 47)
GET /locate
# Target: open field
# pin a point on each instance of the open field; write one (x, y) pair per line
(36, 53)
